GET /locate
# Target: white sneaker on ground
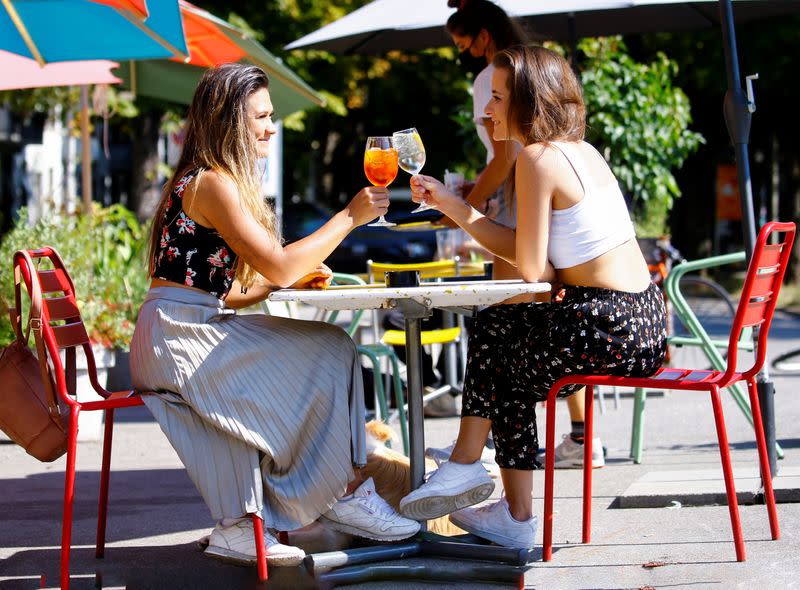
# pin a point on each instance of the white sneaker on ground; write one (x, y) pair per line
(569, 454)
(452, 486)
(494, 522)
(440, 455)
(444, 406)
(237, 544)
(366, 514)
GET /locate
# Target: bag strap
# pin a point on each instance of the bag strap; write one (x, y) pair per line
(35, 325)
(16, 312)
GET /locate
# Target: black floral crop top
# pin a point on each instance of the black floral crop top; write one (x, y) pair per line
(192, 254)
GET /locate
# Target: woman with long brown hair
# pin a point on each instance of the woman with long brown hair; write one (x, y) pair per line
(266, 413)
(573, 228)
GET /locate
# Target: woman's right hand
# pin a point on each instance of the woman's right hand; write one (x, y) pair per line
(368, 204)
(428, 190)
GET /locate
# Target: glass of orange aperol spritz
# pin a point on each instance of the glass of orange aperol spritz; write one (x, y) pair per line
(380, 166)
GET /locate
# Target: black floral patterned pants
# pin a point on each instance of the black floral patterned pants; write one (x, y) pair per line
(517, 352)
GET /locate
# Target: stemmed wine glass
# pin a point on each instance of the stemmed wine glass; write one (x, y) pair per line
(411, 155)
(380, 166)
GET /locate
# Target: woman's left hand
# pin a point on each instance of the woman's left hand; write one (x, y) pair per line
(319, 278)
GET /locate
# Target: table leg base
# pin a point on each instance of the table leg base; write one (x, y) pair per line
(320, 565)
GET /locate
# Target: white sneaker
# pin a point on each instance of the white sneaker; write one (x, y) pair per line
(443, 406)
(440, 455)
(569, 454)
(237, 544)
(494, 522)
(452, 486)
(366, 514)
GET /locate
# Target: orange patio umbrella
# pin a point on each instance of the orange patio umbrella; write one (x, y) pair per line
(212, 41)
(136, 7)
(208, 45)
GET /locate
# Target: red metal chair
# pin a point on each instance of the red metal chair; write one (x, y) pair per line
(62, 328)
(756, 307)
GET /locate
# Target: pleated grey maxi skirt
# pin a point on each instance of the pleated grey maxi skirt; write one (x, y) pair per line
(266, 413)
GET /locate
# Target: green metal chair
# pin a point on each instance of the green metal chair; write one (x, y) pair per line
(699, 337)
(374, 351)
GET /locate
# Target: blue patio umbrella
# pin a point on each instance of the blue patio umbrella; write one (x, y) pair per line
(68, 30)
(71, 30)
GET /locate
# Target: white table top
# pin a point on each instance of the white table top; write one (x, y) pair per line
(430, 295)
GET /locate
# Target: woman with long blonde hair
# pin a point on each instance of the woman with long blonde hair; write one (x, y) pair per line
(266, 413)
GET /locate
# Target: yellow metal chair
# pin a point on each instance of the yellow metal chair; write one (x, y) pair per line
(449, 336)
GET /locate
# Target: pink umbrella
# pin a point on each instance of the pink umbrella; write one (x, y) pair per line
(18, 72)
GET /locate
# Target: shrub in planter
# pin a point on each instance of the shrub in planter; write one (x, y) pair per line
(105, 255)
(640, 121)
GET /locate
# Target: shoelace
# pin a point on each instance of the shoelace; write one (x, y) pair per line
(429, 474)
(486, 508)
(377, 505)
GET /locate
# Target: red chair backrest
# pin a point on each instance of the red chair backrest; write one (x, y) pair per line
(62, 326)
(760, 292)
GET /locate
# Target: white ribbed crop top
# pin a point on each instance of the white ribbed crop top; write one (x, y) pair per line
(596, 224)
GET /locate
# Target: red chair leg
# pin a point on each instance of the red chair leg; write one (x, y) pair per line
(549, 469)
(587, 464)
(105, 473)
(763, 460)
(727, 470)
(261, 550)
(69, 494)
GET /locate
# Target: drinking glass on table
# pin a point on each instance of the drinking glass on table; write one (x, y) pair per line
(411, 154)
(380, 166)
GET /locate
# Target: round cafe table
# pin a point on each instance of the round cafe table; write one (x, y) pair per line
(415, 303)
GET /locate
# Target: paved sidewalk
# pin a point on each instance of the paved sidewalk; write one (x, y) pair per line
(156, 515)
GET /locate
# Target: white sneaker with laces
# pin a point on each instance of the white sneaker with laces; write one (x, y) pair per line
(366, 514)
(452, 486)
(569, 454)
(494, 522)
(237, 544)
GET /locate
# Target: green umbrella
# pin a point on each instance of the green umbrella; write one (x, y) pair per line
(175, 81)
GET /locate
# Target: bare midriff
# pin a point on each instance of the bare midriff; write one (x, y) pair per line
(620, 269)
(162, 283)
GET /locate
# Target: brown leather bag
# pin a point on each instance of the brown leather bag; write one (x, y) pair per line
(29, 410)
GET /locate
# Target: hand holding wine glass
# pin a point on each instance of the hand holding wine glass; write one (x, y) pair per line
(380, 166)
(429, 190)
(411, 155)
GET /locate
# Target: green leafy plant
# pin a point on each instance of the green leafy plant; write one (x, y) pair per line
(641, 122)
(105, 255)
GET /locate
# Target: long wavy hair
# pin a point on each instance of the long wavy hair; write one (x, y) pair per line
(474, 15)
(218, 139)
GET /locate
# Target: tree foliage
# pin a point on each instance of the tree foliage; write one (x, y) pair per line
(105, 255)
(641, 121)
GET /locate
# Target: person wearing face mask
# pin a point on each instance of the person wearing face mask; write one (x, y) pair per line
(480, 29)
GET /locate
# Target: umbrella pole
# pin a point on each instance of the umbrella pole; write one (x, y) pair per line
(737, 119)
(573, 44)
(86, 153)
